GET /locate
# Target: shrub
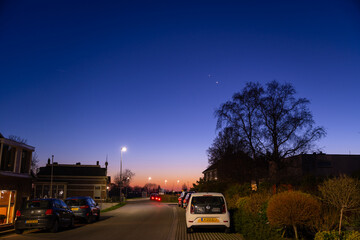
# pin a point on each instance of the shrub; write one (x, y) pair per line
(334, 235)
(234, 192)
(251, 221)
(327, 221)
(343, 193)
(292, 208)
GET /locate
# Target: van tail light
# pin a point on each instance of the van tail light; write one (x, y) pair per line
(223, 208)
(49, 212)
(192, 209)
(84, 207)
(18, 213)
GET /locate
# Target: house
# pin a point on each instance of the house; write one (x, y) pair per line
(295, 167)
(210, 174)
(68, 180)
(321, 165)
(15, 178)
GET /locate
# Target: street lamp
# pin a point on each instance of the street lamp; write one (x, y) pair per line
(148, 188)
(165, 185)
(123, 149)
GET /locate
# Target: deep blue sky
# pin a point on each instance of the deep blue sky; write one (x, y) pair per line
(80, 80)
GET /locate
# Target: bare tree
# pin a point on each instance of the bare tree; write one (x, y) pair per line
(18, 139)
(271, 122)
(343, 193)
(34, 163)
(127, 176)
(228, 153)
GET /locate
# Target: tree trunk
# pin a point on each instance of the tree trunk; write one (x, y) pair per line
(341, 215)
(296, 233)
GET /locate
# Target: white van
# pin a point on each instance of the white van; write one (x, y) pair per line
(207, 210)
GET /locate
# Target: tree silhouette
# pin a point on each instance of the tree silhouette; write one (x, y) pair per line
(271, 122)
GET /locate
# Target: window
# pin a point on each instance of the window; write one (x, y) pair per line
(97, 192)
(8, 158)
(25, 161)
(7, 203)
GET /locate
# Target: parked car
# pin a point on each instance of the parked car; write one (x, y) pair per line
(50, 214)
(186, 199)
(84, 208)
(207, 210)
(182, 197)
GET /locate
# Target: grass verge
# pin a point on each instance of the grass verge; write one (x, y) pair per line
(113, 207)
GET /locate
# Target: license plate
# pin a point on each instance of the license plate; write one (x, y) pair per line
(74, 209)
(31, 221)
(212, 220)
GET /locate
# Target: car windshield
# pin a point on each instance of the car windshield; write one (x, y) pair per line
(36, 204)
(75, 202)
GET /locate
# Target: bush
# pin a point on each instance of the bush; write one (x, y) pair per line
(251, 221)
(234, 192)
(334, 235)
(292, 208)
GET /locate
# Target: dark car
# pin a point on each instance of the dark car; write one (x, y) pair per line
(84, 208)
(186, 199)
(50, 214)
(182, 197)
(155, 197)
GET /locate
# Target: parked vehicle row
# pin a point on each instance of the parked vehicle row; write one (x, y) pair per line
(52, 213)
(182, 197)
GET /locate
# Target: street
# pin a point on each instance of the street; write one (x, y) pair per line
(141, 219)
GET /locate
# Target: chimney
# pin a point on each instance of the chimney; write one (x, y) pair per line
(97, 162)
(49, 161)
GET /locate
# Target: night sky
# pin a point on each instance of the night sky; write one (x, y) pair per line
(81, 80)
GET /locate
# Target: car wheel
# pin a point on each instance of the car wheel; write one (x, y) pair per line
(19, 231)
(55, 226)
(89, 219)
(98, 217)
(189, 230)
(227, 230)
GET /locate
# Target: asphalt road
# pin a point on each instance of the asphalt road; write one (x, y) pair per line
(136, 220)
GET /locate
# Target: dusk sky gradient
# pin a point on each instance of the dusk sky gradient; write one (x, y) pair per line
(81, 79)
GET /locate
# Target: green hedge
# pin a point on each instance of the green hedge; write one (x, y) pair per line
(254, 226)
(334, 235)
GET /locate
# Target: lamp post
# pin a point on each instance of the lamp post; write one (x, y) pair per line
(52, 173)
(149, 185)
(123, 149)
(165, 185)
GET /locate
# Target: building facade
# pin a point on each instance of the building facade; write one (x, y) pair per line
(70, 180)
(321, 164)
(15, 178)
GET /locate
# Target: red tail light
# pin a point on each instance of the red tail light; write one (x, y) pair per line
(85, 206)
(223, 208)
(192, 209)
(18, 213)
(49, 212)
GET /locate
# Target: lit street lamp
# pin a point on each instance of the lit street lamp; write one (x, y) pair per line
(148, 188)
(123, 149)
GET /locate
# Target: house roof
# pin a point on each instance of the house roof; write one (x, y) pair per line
(211, 167)
(72, 170)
